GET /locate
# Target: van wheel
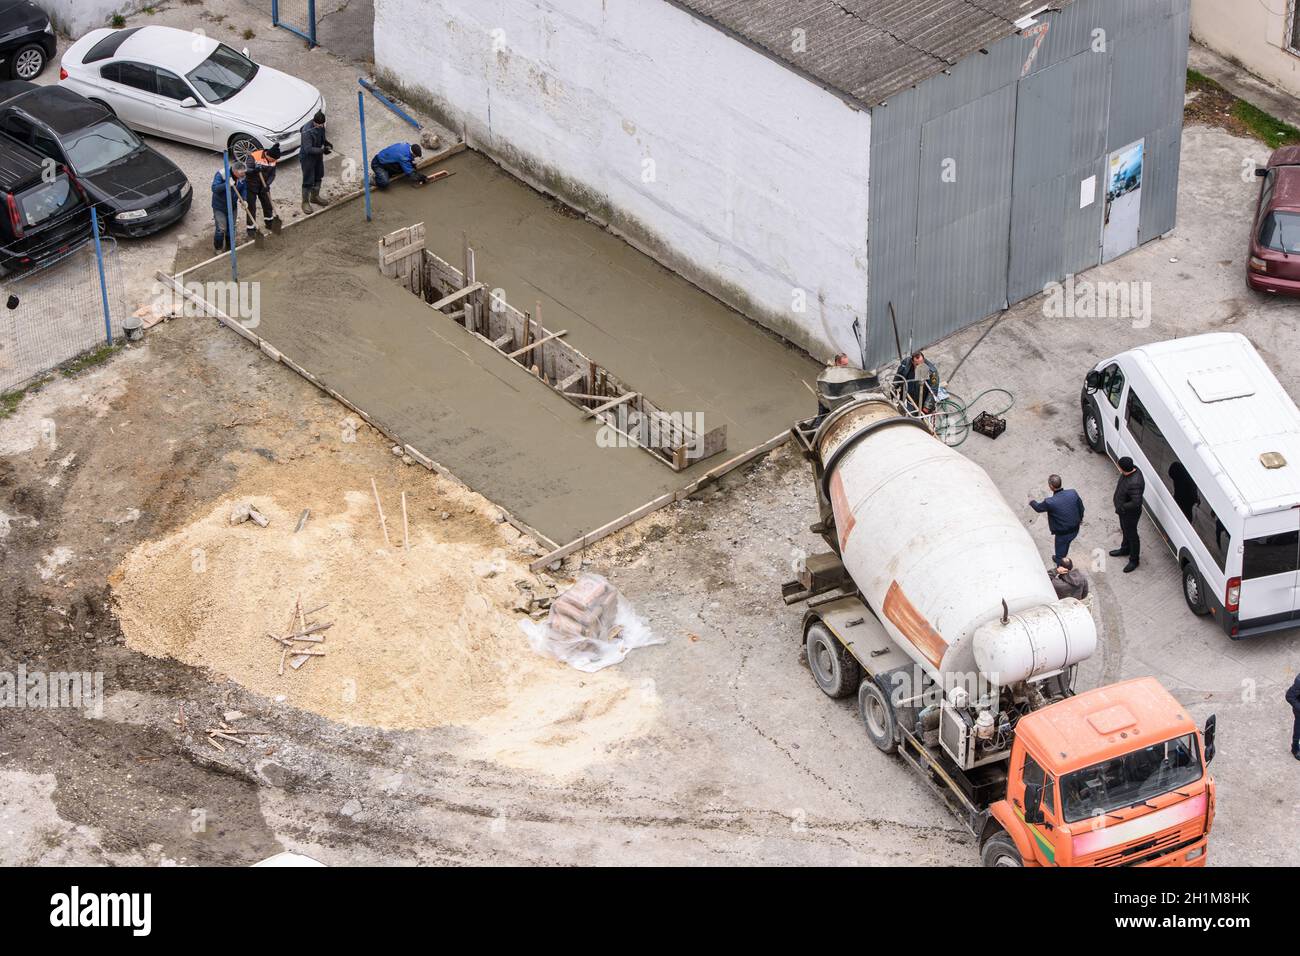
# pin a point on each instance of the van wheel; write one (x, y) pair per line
(1092, 431)
(1000, 850)
(877, 716)
(836, 671)
(28, 63)
(1194, 589)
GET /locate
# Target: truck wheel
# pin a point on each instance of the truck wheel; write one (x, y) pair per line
(1194, 590)
(877, 716)
(836, 671)
(1000, 850)
(1092, 432)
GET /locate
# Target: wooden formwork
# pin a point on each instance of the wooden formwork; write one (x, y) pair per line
(522, 338)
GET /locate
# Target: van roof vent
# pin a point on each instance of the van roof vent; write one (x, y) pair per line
(1272, 459)
(1220, 384)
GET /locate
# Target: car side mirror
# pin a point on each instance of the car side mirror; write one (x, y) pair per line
(1093, 381)
(1033, 803)
(1211, 724)
(189, 103)
(1261, 171)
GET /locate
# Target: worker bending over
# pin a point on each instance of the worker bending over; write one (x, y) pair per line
(261, 173)
(397, 160)
(237, 188)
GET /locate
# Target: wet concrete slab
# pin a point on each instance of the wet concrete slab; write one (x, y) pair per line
(324, 304)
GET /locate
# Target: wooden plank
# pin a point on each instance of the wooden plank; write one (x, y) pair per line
(501, 342)
(610, 404)
(569, 382)
(620, 523)
(456, 296)
(528, 348)
(403, 252)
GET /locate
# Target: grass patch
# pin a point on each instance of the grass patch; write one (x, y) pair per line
(1215, 106)
(89, 360)
(10, 401)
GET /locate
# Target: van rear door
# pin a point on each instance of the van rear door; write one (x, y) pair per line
(1270, 567)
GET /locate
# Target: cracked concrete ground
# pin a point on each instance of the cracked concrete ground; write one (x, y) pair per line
(746, 763)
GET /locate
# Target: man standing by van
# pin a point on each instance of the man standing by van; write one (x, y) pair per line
(1293, 698)
(1064, 515)
(1128, 505)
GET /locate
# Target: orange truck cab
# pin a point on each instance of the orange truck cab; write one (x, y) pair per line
(1115, 776)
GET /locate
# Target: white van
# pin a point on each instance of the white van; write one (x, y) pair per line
(1217, 439)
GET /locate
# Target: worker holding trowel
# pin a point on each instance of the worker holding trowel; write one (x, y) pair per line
(397, 160)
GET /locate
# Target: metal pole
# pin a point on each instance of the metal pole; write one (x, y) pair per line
(311, 17)
(275, 13)
(365, 161)
(103, 286)
(230, 221)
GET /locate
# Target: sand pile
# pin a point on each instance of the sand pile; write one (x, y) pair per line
(419, 639)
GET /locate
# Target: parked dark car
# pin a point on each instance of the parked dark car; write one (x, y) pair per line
(136, 189)
(27, 39)
(1274, 262)
(43, 212)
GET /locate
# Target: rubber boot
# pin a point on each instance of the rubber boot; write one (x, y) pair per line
(315, 197)
(306, 201)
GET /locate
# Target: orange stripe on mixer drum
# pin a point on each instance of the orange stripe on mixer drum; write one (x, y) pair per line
(900, 612)
(844, 520)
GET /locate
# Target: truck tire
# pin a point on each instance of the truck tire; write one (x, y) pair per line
(1194, 589)
(835, 670)
(1092, 430)
(1000, 850)
(878, 716)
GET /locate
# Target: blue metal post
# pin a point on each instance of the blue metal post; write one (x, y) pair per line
(103, 286)
(365, 160)
(387, 102)
(311, 18)
(275, 13)
(230, 220)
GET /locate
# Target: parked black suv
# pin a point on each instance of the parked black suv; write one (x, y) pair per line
(43, 212)
(137, 190)
(27, 40)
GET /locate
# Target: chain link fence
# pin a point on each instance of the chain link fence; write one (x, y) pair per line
(53, 315)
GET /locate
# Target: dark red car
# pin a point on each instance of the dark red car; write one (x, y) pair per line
(1274, 263)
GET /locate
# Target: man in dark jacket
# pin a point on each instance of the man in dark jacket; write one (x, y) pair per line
(1068, 581)
(261, 173)
(917, 380)
(238, 190)
(1064, 515)
(315, 147)
(1293, 698)
(1128, 505)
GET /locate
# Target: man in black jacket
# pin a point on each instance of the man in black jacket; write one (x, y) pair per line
(311, 154)
(1128, 505)
(1064, 510)
(1293, 698)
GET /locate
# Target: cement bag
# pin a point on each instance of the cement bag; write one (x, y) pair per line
(590, 626)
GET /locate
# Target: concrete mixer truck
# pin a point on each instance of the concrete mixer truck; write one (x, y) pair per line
(934, 608)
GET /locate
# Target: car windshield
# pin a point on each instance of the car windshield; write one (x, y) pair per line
(1130, 779)
(1280, 231)
(44, 201)
(222, 75)
(103, 144)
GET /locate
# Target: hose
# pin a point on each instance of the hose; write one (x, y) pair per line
(951, 417)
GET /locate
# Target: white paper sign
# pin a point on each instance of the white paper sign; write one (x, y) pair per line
(1087, 192)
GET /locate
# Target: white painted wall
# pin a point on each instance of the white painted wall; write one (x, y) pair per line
(1253, 33)
(760, 176)
(76, 17)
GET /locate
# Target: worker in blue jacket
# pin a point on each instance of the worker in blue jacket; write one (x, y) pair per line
(396, 160)
(1064, 510)
(238, 191)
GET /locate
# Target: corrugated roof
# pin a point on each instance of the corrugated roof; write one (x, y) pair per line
(868, 50)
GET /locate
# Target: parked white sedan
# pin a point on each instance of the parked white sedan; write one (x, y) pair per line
(188, 87)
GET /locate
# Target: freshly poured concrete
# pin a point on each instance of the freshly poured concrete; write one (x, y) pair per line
(325, 305)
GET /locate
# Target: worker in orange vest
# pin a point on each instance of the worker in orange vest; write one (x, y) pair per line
(261, 173)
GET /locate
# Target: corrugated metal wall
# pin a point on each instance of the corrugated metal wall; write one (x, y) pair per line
(1021, 136)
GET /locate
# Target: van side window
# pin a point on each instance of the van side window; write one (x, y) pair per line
(1271, 554)
(1182, 486)
(1112, 383)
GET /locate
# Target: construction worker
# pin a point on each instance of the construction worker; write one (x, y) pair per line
(1068, 581)
(237, 191)
(311, 155)
(397, 160)
(1064, 510)
(1128, 506)
(261, 173)
(917, 379)
(1293, 698)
